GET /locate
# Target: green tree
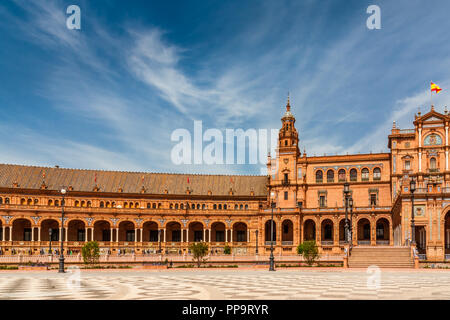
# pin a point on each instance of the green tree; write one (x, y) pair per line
(91, 252)
(309, 251)
(199, 252)
(227, 249)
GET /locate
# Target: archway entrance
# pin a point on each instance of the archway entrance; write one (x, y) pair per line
(21, 230)
(268, 227)
(447, 233)
(421, 239)
(309, 230)
(102, 231)
(287, 237)
(364, 235)
(218, 232)
(48, 225)
(76, 231)
(382, 232)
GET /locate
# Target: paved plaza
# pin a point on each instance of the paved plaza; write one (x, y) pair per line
(227, 284)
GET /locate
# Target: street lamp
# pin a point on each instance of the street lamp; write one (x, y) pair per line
(272, 262)
(256, 251)
(346, 192)
(350, 203)
(50, 241)
(412, 187)
(61, 256)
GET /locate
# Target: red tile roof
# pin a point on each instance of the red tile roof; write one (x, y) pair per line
(30, 177)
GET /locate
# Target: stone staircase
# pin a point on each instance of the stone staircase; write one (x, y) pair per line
(383, 257)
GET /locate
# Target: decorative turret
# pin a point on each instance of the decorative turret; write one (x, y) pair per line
(288, 136)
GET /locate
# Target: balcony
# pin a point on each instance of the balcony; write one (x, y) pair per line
(382, 242)
(286, 243)
(327, 243)
(267, 243)
(364, 242)
(433, 170)
(286, 182)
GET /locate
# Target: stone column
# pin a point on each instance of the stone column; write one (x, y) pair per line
(32, 233)
(117, 234)
(10, 233)
(60, 233)
(66, 232)
(209, 235)
(39, 234)
(135, 234)
(204, 235)
(112, 234)
(141, 232)
(187, 234)
(182, 235)
(231, 235)
(226, 235)
(86, 234)
(165, 231)
(248, 235)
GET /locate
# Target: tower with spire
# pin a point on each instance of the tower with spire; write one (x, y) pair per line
(288, 135)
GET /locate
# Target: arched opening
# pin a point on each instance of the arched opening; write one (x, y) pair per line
(218, 232)
(195, 232)
(353, 175)
(421, 239)
(364, 235)
(150, 232)
(382, 231)
(102, 231)
(173, 232)
(377, 174)
(240, 232)
(342, 231)
(447, 233)
(341, 175)
(433, 163)
(327, 232)
(309, 230)
(48, 225)
(319, 176)
(365, 174)
(126, 231)
(76, 231)
(21, 230)
(268, 227)
(330, 176)
(287, 235)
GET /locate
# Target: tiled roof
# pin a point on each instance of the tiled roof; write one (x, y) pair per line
(30, 177)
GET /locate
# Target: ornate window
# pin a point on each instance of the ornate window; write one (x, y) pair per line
(341, 175)
(433, 163)
(377, 174)
(319, 176)
(353, 175)
(365, 174)
(330, 176)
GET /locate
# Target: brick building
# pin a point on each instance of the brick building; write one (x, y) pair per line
(147, 212)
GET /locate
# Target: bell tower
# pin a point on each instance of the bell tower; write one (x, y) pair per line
(288, 135)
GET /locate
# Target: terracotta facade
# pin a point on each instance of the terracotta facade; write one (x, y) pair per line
(147, 212)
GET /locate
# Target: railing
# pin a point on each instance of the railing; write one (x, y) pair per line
(447, 257)
(327, 243)
(407, 131)
(267, 243)
(287, 243)
(285, 182)
(383, 242)
(364, 242)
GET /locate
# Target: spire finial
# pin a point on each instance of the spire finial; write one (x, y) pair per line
(288, 105)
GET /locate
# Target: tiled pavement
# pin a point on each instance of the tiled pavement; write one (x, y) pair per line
(227, 284)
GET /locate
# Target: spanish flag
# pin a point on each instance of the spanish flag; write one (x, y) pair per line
(435, 87)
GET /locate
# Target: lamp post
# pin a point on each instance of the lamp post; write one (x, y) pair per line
(50, 241)
(256, 251)
(271, 259)
(350, 203)
(61, 256)
(412, 187)
(346, 192)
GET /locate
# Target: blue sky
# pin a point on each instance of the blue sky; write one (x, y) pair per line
(109, 96)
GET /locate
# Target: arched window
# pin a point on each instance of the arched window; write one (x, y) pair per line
(22, 201)
(377, 174)
(77, 203)
(83, 204)
(159, 205)
(241, 207)
(36, 202)
(220, 207)
(215, 207)
(1, 200)
(108, 204)
(353, 175)
(89, 204)
(154, 206)
(225, 207)
(365, 174)
(136, 205)
(433, 163)
(56, 203)
(102, 204)
(6, 200)
(198, 206)
(203, 207)
(341, 175)
(30, 202)
(330, 176)
(246, 207)
(182, 206)
(50, 202)
(319, 176)
(236, 207)
(176, 205)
